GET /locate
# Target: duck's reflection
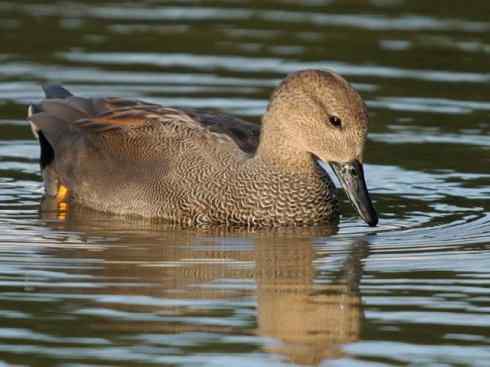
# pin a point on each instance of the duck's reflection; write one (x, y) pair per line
(309, 320)
(305, 314)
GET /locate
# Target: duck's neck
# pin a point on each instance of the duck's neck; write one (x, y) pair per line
(278, 151)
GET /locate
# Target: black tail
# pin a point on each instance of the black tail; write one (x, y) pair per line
(47, 151)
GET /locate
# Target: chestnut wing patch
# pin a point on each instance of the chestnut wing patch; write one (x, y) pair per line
(114, 120)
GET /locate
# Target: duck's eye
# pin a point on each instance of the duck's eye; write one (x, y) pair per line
(335, 121)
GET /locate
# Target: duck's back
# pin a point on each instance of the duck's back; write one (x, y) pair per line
(131, 157)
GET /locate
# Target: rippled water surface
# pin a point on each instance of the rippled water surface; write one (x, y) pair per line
(79, 288)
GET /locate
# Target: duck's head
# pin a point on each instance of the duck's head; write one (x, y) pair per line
(318, 112)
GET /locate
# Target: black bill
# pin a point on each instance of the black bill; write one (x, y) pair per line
(351, 176)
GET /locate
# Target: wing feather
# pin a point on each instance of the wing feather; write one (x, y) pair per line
(72, 121)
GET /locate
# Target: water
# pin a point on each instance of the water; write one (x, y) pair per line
(84, 289)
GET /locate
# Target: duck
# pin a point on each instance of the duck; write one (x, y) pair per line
(193, 167)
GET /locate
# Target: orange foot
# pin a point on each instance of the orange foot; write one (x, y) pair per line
(62, 193)
(62, 204)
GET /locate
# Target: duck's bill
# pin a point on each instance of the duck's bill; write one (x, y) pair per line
(351, 176)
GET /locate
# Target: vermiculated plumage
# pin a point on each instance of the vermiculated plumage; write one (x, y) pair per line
(136, 158)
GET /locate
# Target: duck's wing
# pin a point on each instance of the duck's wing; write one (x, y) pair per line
(97, 142)
(64, 121)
